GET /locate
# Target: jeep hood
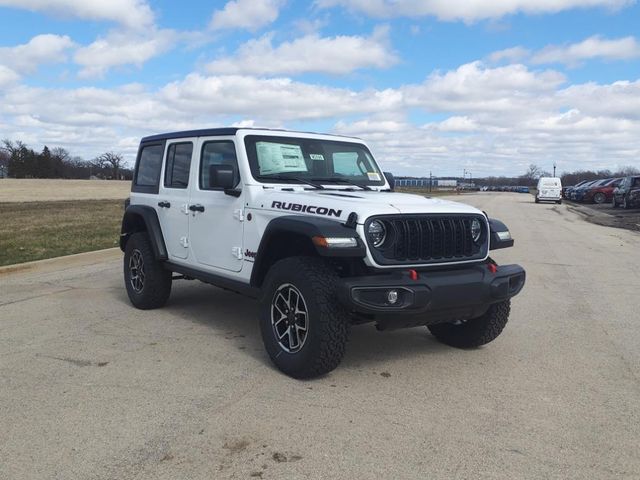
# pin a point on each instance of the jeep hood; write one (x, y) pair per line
(364, 203)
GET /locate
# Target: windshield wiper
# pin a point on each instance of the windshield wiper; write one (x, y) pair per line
(289, 178)
(343, 181)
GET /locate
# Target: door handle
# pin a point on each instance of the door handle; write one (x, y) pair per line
(196, 208)
(164, 204)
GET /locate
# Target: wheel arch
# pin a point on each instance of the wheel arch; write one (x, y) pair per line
(292, 235)
(142, 218)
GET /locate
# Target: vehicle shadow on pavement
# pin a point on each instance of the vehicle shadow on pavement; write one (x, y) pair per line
(234, 316)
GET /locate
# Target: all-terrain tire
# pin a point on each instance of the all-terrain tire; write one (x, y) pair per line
(327, 322)
(475, 332)
(155, 288)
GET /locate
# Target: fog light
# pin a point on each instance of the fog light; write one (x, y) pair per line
(392, 296)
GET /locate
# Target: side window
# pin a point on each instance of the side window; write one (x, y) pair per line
(149, 165)
(176, 171)
(217, 153)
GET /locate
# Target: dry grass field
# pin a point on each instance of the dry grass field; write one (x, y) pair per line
(41, 190)
(48, 218)
(38, 230)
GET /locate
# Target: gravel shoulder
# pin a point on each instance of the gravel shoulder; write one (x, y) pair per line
(92, 389)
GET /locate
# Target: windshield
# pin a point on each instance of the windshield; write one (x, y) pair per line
(301, 160)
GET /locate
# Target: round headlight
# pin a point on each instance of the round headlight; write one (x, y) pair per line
(476, 230)
(377, 233)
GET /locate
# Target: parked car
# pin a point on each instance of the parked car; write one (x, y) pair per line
(549, 189)
(602, 193)
(627, 193)
(577, 194)
(566, 191)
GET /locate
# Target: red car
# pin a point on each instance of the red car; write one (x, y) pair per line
(602, 193)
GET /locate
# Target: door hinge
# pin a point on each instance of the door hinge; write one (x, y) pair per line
(238, 215)
(184, 241)
(237, 252)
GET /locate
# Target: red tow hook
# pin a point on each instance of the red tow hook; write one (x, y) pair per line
(413, 275)
(493, 268)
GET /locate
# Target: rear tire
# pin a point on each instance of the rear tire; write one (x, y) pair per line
(614, 202)
(148, 283)
(304, 329)
(625, 204)
(475, 332)
(537, 200)
(599, 198)
(559, 202)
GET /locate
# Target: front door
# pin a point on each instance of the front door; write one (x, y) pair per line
(173, 197)
(216, 218)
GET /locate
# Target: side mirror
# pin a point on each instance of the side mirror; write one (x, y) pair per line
(391, 180)
(222, 177)
(500, 237)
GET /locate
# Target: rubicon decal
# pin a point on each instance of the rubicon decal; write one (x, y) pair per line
(297, 207)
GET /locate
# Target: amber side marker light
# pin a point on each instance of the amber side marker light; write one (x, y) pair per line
(334, 242)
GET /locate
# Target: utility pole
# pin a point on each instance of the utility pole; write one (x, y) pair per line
(554, 169)
(430, 181)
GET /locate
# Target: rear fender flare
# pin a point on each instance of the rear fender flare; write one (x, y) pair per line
(138, 218)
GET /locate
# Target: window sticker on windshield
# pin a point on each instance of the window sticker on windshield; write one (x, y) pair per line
(279, 157)
(316, 156)
(373, 176)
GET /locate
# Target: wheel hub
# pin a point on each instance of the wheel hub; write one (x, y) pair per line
(136, 271)
(289, 318)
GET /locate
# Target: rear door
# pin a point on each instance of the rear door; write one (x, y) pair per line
(216, 218)
(173, 196)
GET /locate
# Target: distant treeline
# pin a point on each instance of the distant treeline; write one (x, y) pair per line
(530, 178)
(17, 160)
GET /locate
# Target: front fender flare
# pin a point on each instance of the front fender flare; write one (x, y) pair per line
(307, 227)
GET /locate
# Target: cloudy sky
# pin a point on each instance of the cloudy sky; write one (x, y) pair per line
(440, 85)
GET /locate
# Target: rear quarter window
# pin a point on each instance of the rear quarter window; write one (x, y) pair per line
(148, 168)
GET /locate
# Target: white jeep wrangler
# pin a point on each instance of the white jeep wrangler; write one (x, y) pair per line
(310, 226)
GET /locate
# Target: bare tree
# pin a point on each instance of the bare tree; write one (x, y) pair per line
(111, 160)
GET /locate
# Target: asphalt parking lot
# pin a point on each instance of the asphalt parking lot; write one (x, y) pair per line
(91, 388)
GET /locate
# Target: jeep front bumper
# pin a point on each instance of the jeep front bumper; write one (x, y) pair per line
(433, 296)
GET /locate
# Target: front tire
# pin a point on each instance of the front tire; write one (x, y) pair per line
(147, 282)
(304, 329)
(625, 203)
(476, 332)
(599, 198)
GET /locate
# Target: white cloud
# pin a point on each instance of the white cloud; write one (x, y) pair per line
(131, 13)
(41, 49)
(310, 53)
(7, 76)
(490, 120)
(122, 48)
(468, 11)
(511, 55)
(475, 88)
(246, 14)
(593, 47)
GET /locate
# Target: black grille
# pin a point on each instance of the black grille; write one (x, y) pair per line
(430, 239)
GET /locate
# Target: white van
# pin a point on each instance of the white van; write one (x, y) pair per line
(549, 188)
